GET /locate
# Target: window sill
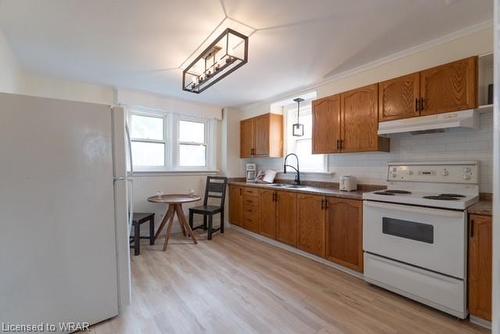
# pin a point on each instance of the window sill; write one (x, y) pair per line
(177, 173)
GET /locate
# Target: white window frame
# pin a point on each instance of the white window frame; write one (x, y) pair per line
(171, 142)
(304, 110)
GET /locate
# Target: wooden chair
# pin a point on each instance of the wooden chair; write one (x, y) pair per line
(215, 188)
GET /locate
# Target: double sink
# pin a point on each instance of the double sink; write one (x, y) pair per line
(287, 186)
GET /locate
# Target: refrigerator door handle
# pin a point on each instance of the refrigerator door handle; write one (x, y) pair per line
(129, 147)
(130, 204)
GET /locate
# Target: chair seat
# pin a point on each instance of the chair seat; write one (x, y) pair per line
(206, 209)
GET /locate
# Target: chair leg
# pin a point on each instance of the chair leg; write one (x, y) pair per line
(205, 222)
(222, 221)
(210, 227)
(137, 239)
(152, 231)
(191, 216)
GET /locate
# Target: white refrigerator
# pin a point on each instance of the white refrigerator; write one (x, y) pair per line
(64, 212)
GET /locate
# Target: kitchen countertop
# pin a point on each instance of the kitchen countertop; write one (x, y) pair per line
(308, 190)
(483, 207)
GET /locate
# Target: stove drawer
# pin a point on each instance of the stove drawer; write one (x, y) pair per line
(429, 238)
(441, 292)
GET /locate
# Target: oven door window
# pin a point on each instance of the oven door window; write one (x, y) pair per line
(408, 230)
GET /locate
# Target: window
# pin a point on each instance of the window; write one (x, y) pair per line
(192, 144)
(302, 146)
(169, 142)
(147, 141)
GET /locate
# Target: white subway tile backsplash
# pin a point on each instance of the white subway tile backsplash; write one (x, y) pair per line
(453, 144)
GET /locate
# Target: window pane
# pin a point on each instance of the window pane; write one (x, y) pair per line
(148, 154)
(192, 155)
(309, 161)
(191, 132)
(144, 127)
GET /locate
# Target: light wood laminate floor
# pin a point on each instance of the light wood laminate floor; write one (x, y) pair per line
(236, 284)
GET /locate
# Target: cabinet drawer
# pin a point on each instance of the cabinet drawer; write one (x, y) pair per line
(251, 192)
(250, 201)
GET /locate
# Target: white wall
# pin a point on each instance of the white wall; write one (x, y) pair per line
(454, 144)
(496, 188)
(9, 68)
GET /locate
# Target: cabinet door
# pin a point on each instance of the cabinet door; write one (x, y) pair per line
(326, 125)
(251, 208)
(344, 232)
(311, 224)
(267, 214)
(235, 205)
(286, 218)
(261, 132)
(449, 87)
(247, 138)
(360, 119)
(398, 98)
(480, 270)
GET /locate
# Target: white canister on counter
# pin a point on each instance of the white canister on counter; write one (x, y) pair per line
(347, 183)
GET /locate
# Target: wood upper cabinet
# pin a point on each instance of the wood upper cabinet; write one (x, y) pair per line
(251, 209)
(246, 138)
(449, 87)
(326, 125)
(235, 208)
(359, 124)
(262, 136)
(268, 213)
(398, 98)
(344, 232)
(311, 224)
(480, 266)
(286, 217)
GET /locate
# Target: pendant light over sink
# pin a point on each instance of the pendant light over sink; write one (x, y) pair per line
(224, 55)
(298, 128)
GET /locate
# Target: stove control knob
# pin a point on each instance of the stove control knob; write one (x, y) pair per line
(445, 172)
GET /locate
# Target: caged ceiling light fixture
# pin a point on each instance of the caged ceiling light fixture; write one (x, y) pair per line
(227, 53)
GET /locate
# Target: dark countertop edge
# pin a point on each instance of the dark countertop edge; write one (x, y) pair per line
(357, 195)
(483, 208)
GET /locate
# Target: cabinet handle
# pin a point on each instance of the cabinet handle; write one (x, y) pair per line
(422, 106)
(472, 229)
(338, 144)
(322, 204)
(341, 143)
(326, 204)
(417, 106)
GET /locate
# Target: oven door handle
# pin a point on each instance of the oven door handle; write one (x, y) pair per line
(415, 209)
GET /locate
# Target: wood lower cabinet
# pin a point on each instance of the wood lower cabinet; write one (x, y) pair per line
(480, 266)
(399, 97)
(311, 224)
(286, 217)
(360, 121)
(251, 209)
(268, 213)
(326, 125)
(262, 136)
(449, 87)
(344, 232)
(328, 227)
(235, 208)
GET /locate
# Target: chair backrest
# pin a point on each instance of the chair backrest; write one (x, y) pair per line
(216, 188)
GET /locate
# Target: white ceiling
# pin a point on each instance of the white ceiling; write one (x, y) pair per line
(142, 44)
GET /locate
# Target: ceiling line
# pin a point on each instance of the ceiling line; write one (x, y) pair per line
(223, 8)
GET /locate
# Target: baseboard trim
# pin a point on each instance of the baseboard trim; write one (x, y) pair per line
(298, 252)
(480, 322)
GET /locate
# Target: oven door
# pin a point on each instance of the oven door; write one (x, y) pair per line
(432, 239)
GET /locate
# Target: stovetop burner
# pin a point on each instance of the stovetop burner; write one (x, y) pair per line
(442, 197)
(398, 191)
(385, 193)
(452, 195)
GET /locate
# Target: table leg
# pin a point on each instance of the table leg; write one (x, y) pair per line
(169, 227)
(182, 221)
(170, 212)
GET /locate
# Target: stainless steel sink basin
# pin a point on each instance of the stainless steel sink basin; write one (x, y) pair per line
(285, 185)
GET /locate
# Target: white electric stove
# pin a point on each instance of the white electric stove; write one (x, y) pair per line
(415, 232)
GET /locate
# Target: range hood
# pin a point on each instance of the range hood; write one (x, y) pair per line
(432, 123)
